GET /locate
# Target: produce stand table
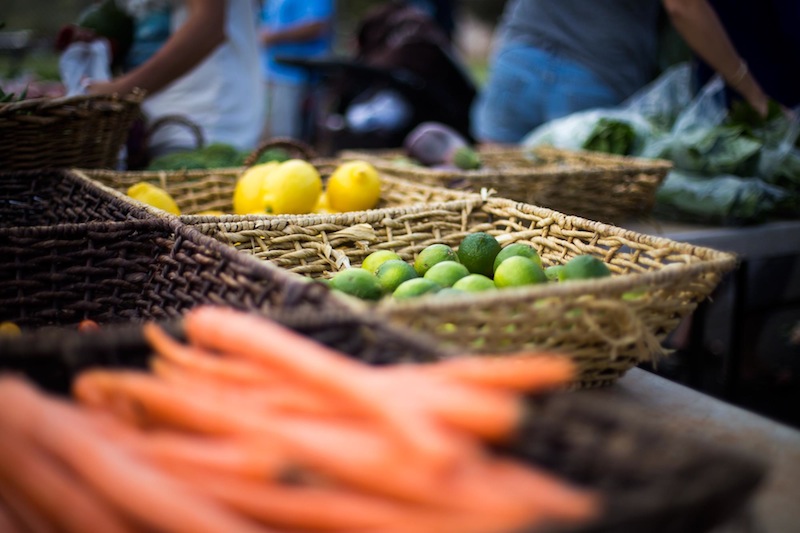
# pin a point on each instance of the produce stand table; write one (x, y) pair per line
(777, 239)
(774, 507)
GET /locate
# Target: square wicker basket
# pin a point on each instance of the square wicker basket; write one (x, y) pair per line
(76, 131)
(607, 325)
(196, 191)
(597, 186)
(52, 196)
(651, 479)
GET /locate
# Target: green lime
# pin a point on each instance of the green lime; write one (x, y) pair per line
(474, 283)
(429, 256)
(394, 272)
(415, 287)
(517, 249)
(357, 282)
(446, 273)
(584, 267)
(552, 272)
(376, 259)
(450, 291)
(477, 252)
(517, 271)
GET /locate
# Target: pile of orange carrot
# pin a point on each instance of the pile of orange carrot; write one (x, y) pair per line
(250, 427)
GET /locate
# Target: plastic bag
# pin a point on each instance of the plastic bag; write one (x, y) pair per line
(722, 199)
(83, 62)
(575, 131)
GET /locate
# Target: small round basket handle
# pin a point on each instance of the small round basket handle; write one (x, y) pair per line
(182, 121)
(295, 148)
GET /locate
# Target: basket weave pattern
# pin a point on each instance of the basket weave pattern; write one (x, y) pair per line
(77, 131)
(43, 197)
(212, 190)
(607, 325)
(596, 186)
(135, 270)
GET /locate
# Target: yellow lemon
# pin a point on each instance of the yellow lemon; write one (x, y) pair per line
(293, 187)
(9, 329)
(323, 207)
(155, 196)
(248, 196)
(354, 186)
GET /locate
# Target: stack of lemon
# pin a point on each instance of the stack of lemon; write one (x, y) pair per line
(295, 187)
(291, 187)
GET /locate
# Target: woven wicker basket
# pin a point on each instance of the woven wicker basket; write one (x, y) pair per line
(137, 270)
(51, 196)
(652, 480)
(196, 191)
(76, 131)
(596, 186)
(607, 326)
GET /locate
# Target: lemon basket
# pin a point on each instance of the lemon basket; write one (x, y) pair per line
(593, 185)
(607, 326)
(650, 478)
(207, 194)
(77, 131)
(55, 196)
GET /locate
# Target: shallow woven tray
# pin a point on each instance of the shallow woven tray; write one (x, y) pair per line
(652, 480)
(607, 325)
(203, 190)
(51, 196)
(156, 269)
(593, 185)
(76, 131)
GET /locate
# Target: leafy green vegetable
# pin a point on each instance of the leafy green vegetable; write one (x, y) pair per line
(6, 98)
(611, 136)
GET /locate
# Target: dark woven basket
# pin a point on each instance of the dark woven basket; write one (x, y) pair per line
(44, 197)
(652, 480)
(77, 131)
(137, 270)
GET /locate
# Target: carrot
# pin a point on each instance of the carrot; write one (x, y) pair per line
(8, 522)
(23, 514)
(282, 397)
(486, 413)
(278, 347)
(134, 487)
(64, 500)
(88, 325)
(308, 508)
(523, 372)
(203, 363)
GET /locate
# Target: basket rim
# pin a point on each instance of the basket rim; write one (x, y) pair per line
(656, 168)
(135, 97)
(711, 260)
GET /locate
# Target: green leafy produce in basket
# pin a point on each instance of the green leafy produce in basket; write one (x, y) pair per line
(612, 137)
(216, 155)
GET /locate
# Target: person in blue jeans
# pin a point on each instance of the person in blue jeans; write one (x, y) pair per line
(298, 29)
(554, 58)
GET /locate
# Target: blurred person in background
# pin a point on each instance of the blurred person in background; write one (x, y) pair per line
(299, 29)
(551, 59)
(197, 59)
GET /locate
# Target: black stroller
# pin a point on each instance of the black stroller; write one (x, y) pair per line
(403, 73)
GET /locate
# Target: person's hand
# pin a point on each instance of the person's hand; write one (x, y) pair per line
(106, 87)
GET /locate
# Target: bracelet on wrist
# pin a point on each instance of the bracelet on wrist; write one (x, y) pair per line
(740, 75)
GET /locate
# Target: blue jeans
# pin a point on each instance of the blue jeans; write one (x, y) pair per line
(528, 87)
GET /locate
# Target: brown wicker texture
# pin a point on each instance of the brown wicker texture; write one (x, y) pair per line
(607, 325)
(592, 185)
(52, 196)
(134, 270)
(76, 131)
(196, 191)
(652, 480)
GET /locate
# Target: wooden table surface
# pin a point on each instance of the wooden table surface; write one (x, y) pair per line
(776, 505)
